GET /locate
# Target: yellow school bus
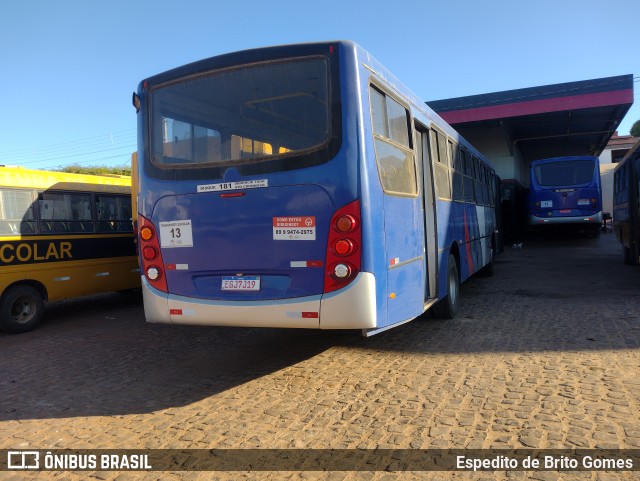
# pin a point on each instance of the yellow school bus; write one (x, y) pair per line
(61, 236)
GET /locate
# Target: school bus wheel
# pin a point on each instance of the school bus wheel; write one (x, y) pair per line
(21, 309)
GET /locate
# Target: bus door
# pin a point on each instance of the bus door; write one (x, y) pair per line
(403, 224)
(428, 205)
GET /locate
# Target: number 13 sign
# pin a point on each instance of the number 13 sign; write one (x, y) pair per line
(176, 233)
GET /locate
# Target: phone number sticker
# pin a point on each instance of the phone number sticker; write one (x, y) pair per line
(176, 233)
(294, 228)
(242, 184)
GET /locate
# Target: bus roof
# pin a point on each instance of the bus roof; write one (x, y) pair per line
(42, 179)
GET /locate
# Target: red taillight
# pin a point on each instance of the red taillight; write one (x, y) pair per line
(343, 247)
(149, 253)
(151, 259)
(346, 223)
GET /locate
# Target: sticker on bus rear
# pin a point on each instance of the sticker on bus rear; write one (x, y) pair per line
(176, 233)
(242, 184)
(294, 228)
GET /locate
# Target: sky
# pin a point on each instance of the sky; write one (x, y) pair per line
(68, 68)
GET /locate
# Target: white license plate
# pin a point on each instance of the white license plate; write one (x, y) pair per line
(546, 203)
(244, 283)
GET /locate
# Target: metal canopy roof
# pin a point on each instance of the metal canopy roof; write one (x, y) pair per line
(575, 118)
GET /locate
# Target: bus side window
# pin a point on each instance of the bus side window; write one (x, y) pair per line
(64, 212)
(469, 195)
(114, 213)
(16, 212)
(392, 139)
(458, 169)
(441, 169)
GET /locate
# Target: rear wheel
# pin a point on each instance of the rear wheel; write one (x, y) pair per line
(447, 307)
(21, 309)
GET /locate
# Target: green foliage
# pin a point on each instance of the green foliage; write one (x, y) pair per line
(635, 129)
(96, 169)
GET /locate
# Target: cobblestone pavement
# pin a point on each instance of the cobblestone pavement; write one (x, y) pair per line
(544, 354)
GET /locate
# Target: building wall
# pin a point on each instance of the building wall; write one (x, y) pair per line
(606, 175)
(510, 165)
(496, 145)
(605, 156)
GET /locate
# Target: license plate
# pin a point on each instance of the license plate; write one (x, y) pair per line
(565, 211)
(546, 203)
(244, 283)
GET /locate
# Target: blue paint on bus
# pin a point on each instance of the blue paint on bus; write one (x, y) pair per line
(304, 186)
(626, 205)
(566, 191)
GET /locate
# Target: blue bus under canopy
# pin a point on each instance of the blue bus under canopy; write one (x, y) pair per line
(566, 191)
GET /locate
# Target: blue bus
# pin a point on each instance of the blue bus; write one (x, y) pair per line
(566, 191)
(626, 205)
(304, 186)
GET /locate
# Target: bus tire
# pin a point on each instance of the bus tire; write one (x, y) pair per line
(21, 309)
(447, 307)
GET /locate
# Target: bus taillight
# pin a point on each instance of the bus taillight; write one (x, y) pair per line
(149, 253)
(151, 259)
(344, 247)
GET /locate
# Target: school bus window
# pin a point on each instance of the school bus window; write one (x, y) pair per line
(244, 148)
(65, 212)
(114, 213)
(16, 212)
(187, 143)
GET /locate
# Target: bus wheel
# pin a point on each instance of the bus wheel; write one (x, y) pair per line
(21, 309)
(448, 306)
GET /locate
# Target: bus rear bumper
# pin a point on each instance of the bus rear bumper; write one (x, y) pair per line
(353, 307)
(581, 219)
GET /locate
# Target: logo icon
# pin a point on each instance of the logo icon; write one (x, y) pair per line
(23, 460)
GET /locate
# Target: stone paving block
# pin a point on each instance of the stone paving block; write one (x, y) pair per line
(534, 360)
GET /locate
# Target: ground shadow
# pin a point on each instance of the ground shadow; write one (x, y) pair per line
(98, 357)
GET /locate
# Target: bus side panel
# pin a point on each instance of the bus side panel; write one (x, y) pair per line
(65, 280)
(469, 246)
(445, 211)
(404, 239)
(373, 224)
(373, 233)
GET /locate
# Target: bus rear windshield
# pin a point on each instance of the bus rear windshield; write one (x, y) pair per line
(560, 174)
(266, 113)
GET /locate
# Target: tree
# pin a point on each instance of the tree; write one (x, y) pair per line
(635, 129)
(96, 169)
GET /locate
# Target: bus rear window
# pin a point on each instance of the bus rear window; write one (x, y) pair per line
(559, 174)
(259, 113)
